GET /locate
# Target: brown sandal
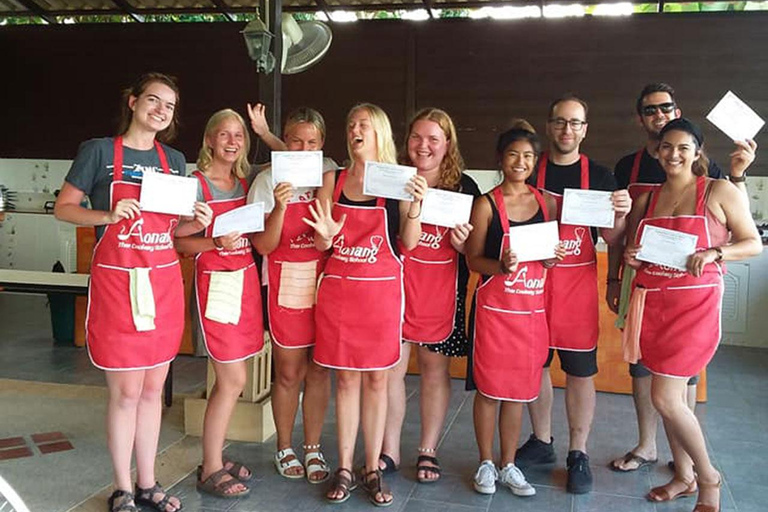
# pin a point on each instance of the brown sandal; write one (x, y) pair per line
(661, 494)
(217, 484)
(701, 507)
(374, 486)
(341, 482)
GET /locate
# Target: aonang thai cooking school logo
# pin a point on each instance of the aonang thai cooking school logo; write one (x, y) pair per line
(521, 284)
(432, 240)
(135, 237)
(242, 246)
(357, 253)
(305, 240)
(573, 246)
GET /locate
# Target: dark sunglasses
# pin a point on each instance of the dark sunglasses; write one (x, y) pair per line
(665, 108)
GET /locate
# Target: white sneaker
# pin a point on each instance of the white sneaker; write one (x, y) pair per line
(485, 478)
(512, 477)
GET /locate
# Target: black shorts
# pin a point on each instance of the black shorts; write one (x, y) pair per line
(577, 364)
(638, 371)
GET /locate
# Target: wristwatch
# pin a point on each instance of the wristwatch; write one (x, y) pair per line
(738, 179)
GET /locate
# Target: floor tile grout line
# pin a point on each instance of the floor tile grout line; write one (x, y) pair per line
(452, 421)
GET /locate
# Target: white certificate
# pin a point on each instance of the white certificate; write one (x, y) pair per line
(166, 193)
(666, 247)
(299, 168)
(735, 118)
(445, 208)
(246, 219)
(387, 180)
(587, 208)
(534, 242)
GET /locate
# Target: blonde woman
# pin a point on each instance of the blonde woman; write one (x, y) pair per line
(435, 277)
(287, 244)
(232, 331)
(360, 298)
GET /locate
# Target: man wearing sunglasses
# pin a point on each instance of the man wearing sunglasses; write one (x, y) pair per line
(571, 294)
(641, 172)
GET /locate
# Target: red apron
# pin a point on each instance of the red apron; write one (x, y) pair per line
(511, 338)
(360, 294)
(292, 326)
(680, 327)
(430, 277)
(227, 343)
(634, 188)
(143, 242)
(572, 299)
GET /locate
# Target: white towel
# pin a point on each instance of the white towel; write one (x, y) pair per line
(298, 283)
(225, 296)
(142, 299)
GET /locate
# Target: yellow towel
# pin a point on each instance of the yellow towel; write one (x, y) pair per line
(298, 281)
(142, 299)
(630, 337)
(225, 296)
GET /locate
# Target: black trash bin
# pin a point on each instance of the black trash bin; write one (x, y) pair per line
(62, 313)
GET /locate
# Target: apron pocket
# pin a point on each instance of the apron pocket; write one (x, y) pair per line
(225, 297)
(298, 282)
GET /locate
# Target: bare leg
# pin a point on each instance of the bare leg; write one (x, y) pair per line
(317, 391)
(669, 399)
(230, 381)
(580, 406)
(510, 424)
(647, 423)
(484, 414)
(124, 392)
(395, 407)
(148, 417)
(347, 418)
(540, 409)
(374, 420)
(291, 368)
(433, 401)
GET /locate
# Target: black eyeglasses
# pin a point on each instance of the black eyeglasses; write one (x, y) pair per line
(664, 108)
(575, 124)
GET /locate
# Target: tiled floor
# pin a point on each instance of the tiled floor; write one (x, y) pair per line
(734, 419)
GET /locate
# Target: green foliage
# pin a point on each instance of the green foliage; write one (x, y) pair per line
(454, 13)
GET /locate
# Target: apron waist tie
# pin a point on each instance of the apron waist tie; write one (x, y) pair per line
(630, 338)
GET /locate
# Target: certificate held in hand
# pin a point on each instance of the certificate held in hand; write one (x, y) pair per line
(446, 209)
(166, 193)
(666, 247)
(245, 219)
(587, 208)
(387, 180)
(534, 242)
(299, 168)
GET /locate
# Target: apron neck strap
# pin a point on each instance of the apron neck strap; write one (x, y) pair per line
(498, 198)
(542, 204)
(117, 160)
(541, 172)
(701, 195)
(204, 186)
(339, 188)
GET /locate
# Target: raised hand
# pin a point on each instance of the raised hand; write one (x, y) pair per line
(742, 157)
(258, 117)
(124, 209)
(322, 220)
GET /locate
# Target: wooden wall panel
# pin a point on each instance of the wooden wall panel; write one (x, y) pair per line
(65, 85)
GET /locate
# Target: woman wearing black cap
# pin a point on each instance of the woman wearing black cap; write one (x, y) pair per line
(673, 324)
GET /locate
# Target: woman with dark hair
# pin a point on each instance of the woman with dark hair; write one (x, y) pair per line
(359, 298)
(435, 278)
(136, 297)
(673, 324)
(231, 329)
(510, 337)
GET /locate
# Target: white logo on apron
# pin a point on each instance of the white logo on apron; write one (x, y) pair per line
(521, 284)
(357, 254)
(573, 247)
(432, 240)
(147, 241)
(305, 240)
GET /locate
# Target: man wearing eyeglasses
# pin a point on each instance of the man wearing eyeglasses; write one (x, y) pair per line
(572, 297)
(641, 172)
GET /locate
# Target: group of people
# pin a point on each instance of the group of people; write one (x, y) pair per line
(356, 282)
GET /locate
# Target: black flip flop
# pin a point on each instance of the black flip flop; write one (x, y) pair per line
(389, 464)
(435, 469)
(632, 457)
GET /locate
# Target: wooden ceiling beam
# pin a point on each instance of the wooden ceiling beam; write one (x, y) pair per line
(38, 11)
(128, 9)
(223, 9)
